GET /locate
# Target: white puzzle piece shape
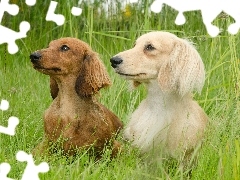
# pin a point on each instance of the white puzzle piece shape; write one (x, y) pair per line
(12, 9)
(8, 35)
(209, 10)
(51, 16)
(4, 105)
(4, 170)
(12, 124)
(31, 171)
(76, 11)
(30, 2)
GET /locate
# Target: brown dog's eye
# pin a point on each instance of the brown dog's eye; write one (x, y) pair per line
(64, 48)
(149, 47)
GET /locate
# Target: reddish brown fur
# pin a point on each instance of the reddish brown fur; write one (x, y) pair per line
(75, 117)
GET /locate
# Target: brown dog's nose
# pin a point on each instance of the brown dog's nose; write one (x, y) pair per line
(35, 56)
(115, 61)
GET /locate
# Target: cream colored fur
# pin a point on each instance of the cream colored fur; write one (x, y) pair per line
(171, 68)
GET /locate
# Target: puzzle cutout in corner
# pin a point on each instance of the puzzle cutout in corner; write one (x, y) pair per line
(31, 171)
(209, 10)
(9, 36)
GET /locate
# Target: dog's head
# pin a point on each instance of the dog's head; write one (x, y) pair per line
(71, 57)
(163, 56)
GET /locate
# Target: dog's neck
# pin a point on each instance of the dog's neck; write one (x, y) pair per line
(165, 103)
(67, 94)
(168, 99)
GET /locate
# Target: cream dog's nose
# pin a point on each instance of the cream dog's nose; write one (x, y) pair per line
(115, 61)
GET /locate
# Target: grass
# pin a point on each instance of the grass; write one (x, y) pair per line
(28, 91)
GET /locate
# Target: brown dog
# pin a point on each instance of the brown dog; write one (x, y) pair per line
(75, 118)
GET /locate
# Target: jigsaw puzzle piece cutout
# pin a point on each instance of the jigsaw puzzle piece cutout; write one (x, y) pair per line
(4, 170)
(12, 124)
(4, 105)
(12, 9)
(208, 16)
(51, 16)
(76, 11)
(156, 6)
(233, 10)
(9, 36)
(31, 171)
(12, 121)
(208, 13)
(209, 10)
(30, 2)
(180, 19)
(233, 28)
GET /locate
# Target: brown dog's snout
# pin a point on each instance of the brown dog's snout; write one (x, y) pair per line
(36, 56)
(115, 61)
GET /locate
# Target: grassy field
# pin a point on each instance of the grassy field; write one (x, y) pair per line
(28, 91)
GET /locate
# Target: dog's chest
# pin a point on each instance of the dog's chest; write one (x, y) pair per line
(60, 119)
(153, 113)
(149, 123)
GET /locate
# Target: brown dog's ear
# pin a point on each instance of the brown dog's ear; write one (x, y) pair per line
(183, 71)
(53, 88)
(93, 76)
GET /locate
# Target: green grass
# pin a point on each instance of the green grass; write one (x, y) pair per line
(28, 91)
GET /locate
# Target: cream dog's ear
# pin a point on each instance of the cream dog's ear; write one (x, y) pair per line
(184, 71)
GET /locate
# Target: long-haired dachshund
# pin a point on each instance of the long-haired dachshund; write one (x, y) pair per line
(168, 118)
(75, 120)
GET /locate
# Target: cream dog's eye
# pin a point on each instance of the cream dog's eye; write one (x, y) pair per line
(149, 47)
(64, 48)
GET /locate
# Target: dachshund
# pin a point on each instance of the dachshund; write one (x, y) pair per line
(75, 120)
(168, 119)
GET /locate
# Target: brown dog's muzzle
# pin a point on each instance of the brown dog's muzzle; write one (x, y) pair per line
(35, 57)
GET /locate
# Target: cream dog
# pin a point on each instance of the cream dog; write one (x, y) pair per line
(168, 118)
